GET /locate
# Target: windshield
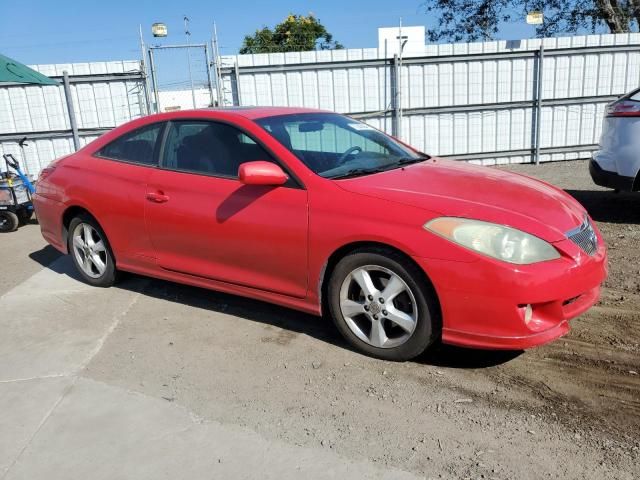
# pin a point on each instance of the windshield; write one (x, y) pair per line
(334, 146)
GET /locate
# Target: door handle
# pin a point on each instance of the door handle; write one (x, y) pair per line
(157, 197)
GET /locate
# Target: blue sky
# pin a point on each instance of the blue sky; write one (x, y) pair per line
(60, 31)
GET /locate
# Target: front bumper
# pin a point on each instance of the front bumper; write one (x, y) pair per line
(483, 302)
(607, 179)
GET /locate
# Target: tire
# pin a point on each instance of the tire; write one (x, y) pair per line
(8, 221)
(360, 320)
(91, 253)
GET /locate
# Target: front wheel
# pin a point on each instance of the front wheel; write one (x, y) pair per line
(91, 252)
(381, 304)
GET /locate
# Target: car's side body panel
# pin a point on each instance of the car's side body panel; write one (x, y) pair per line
(113, 192)
(217, 228)
(273, 243)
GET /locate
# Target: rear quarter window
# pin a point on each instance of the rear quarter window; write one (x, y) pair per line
(138, 146)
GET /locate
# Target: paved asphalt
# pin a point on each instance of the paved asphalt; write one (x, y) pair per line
(56, 423)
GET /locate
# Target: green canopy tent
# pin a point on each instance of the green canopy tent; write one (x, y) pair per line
(15, 72)
(12, 73)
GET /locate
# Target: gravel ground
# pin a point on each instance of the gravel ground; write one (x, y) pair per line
(570, 409)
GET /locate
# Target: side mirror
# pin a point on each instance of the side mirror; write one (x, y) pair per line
(261, 173)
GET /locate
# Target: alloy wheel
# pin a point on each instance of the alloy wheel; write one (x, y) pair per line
(89, 250)
(378, 306)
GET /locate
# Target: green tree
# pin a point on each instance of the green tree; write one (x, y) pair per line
(459, 20)
(297, 33)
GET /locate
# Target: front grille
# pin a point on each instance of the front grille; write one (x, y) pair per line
(585, 237)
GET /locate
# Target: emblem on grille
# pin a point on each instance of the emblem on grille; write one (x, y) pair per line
(585, 237)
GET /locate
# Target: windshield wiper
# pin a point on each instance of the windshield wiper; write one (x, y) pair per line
(410, 160)
(355, 172)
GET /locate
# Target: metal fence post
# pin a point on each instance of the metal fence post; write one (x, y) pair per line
(395, 96)
(145, 89)
(154, 82)
(538, 105)
(215, 53)
(212, 102)
(399, 92)
(70, 110)
(218, 76)
(236, 72)
(143, 69)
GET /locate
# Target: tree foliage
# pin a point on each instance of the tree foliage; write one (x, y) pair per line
(470, 20)
(295, 34)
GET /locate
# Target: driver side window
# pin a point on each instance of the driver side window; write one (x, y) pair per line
(209, 148)
(331, 138)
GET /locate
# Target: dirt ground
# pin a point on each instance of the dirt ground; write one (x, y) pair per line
(570, 409)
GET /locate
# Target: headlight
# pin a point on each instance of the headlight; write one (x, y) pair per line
(497, 241)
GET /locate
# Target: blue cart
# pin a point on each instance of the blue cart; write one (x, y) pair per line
(16, 189)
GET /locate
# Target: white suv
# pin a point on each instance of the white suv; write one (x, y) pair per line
(617, 163)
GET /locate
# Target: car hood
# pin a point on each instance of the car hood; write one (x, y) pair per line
(459, 189)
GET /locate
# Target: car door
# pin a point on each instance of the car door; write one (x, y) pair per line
(112, 183)
(202, 221)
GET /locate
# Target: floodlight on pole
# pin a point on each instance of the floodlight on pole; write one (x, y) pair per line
(535, 18)
(159, 30)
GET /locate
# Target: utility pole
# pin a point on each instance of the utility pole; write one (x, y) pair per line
(188, 35)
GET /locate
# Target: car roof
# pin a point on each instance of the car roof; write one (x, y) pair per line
(250, 113)
(253, 113)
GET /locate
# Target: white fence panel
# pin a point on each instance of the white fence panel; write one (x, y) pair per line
(476, 101)
(105, 95)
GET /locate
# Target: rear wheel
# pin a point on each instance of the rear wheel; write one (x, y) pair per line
(380, 303)
(91, 252)
(8, 221)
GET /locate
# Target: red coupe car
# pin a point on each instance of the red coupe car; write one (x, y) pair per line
(322, 213)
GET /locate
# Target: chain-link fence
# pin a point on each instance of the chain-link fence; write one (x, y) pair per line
(181, 77)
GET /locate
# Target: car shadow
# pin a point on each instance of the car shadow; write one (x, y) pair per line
(195, 297)
(608, 206)
(450, 356)
(320, 328)
(46, 256)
